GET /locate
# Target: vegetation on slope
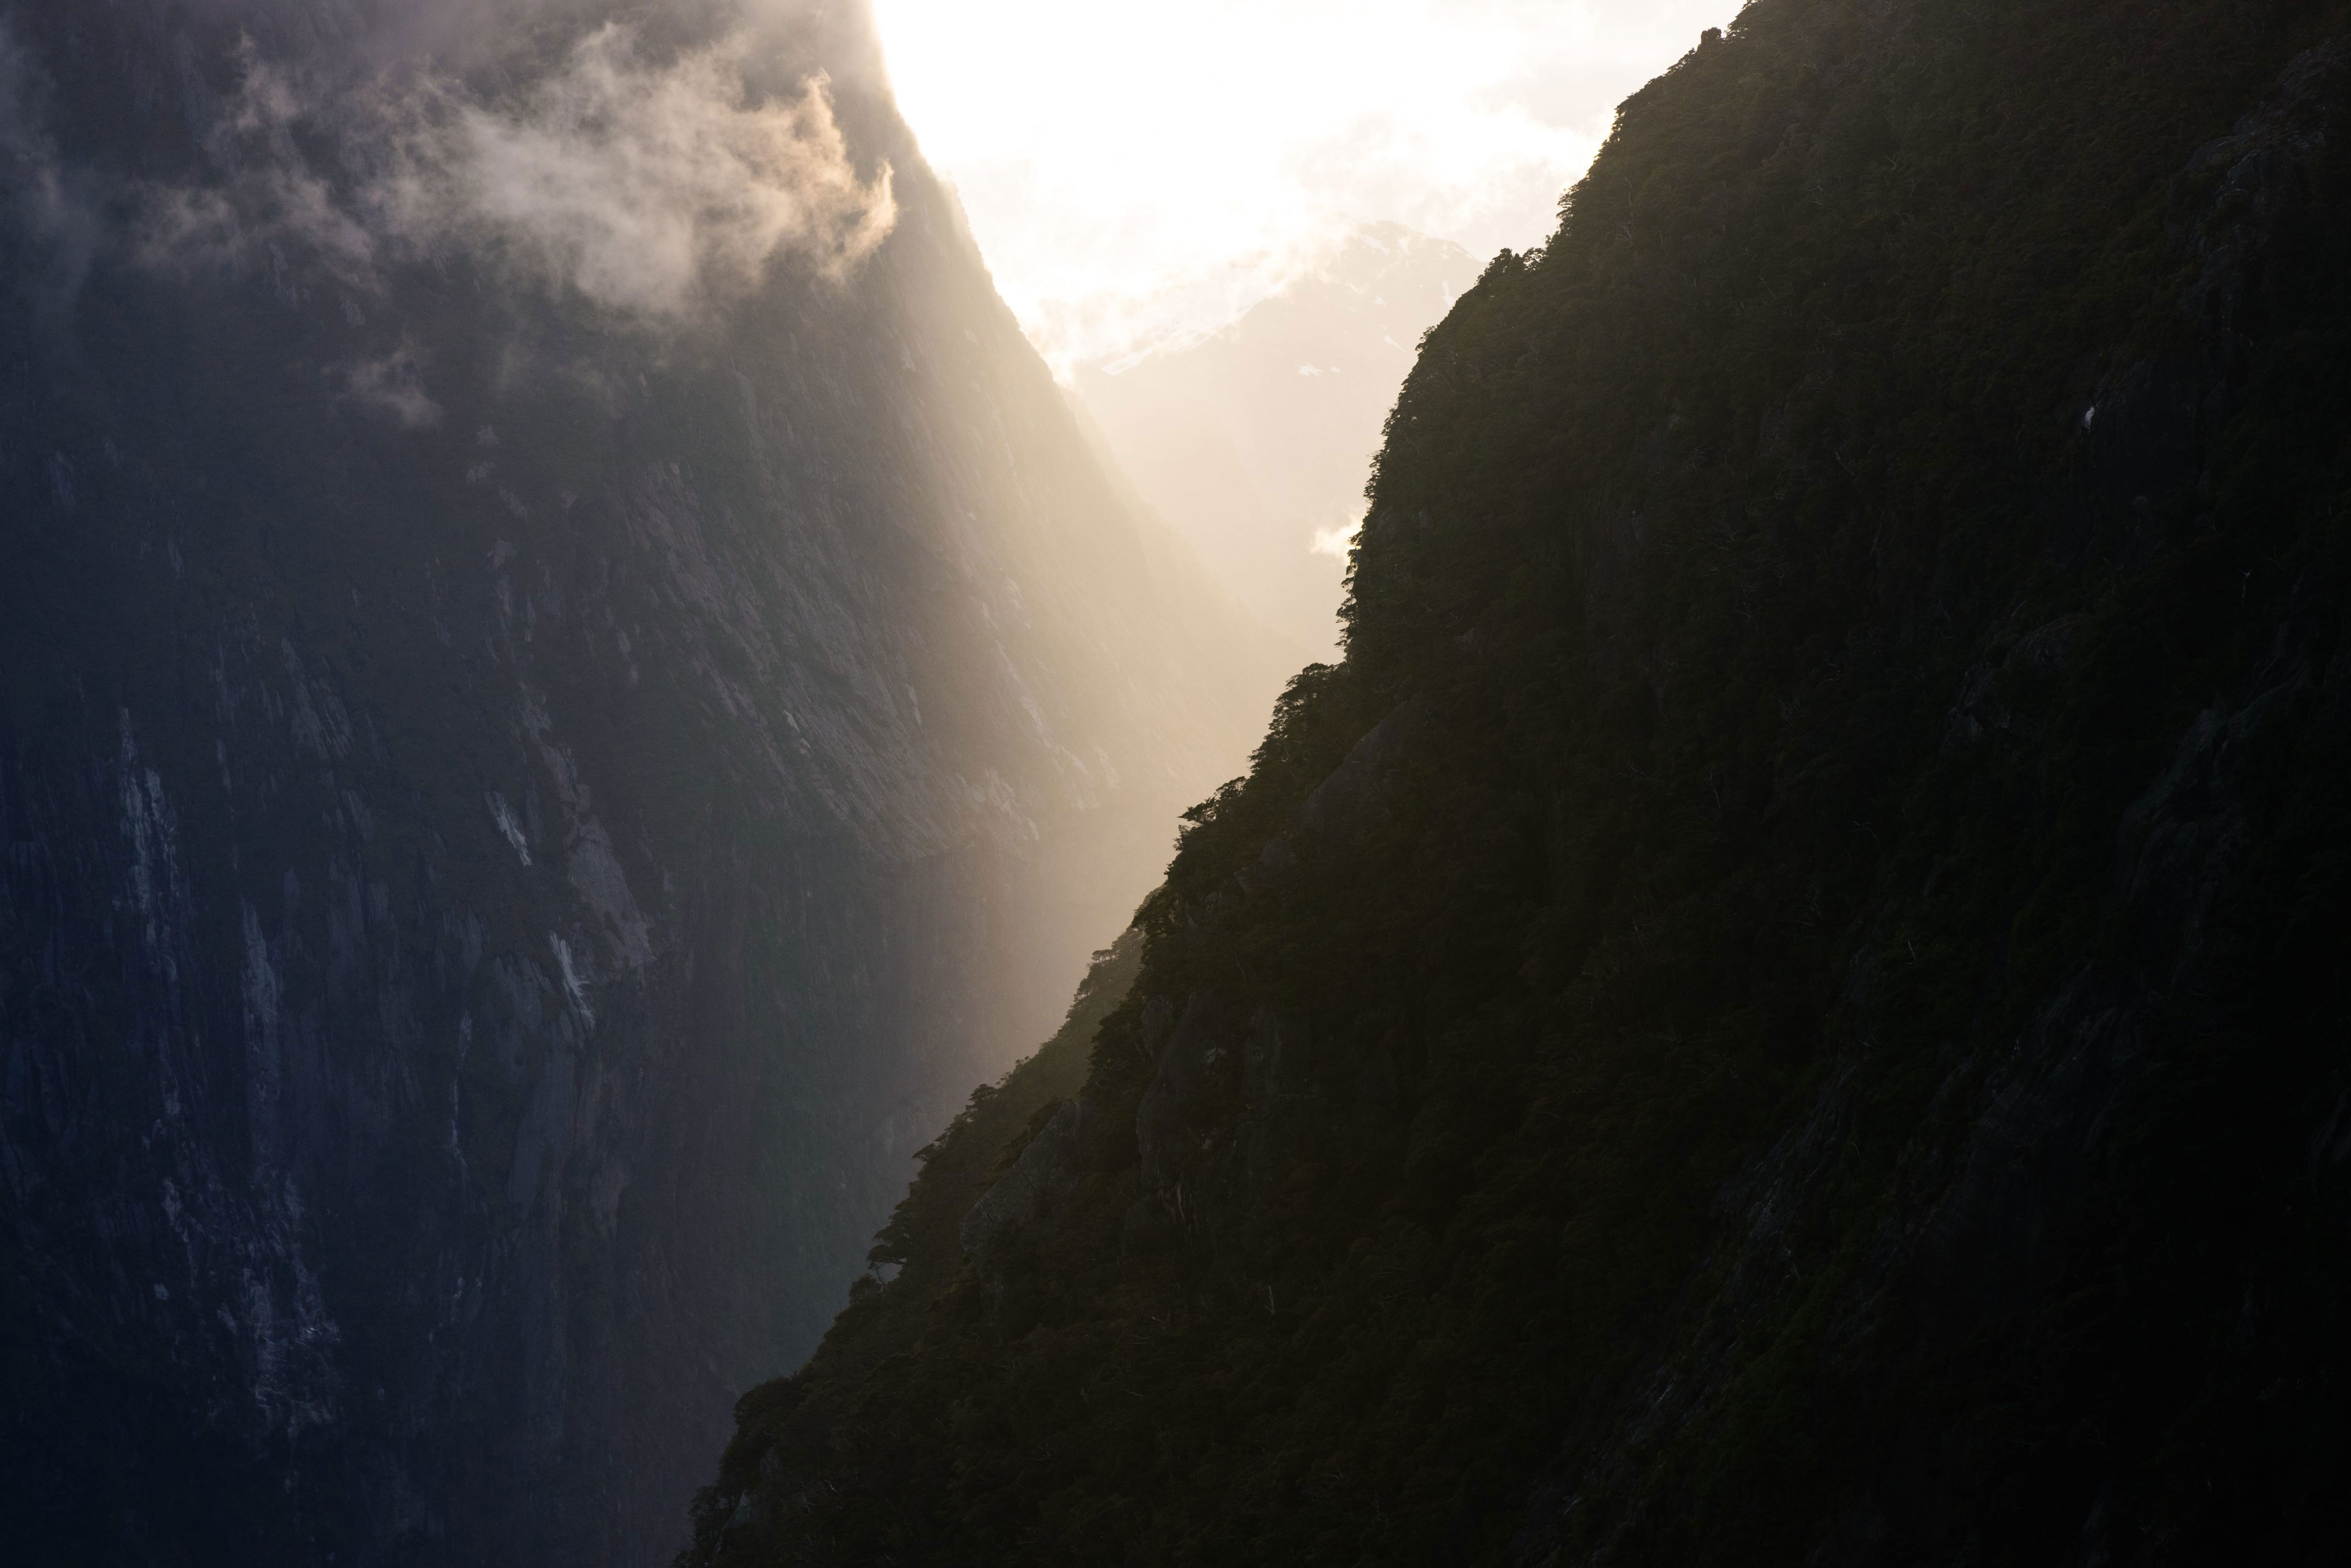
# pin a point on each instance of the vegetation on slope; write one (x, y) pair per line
(1786, 1002)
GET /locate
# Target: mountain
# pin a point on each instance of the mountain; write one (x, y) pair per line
(571, 683)
(1254, 441)
(1786, 1002)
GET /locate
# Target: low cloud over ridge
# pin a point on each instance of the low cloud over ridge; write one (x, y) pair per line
(644, 188)
(650, 188)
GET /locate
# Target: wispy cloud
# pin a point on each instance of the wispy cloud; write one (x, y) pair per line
(272, 200)
(1337, 540)
(645, 188)
(393, 385)
(38, 195)
(652, 189)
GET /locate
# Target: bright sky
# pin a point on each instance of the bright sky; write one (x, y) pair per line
(1134, 168)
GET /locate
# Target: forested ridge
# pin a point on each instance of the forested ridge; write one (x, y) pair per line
(1786, 1001)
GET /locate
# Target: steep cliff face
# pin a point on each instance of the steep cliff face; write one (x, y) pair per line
(569, 685)
(1786, 1003)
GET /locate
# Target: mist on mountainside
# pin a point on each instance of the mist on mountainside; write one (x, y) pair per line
(567, 683)
(1254, 441)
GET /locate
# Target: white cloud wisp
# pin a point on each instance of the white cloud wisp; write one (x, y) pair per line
(653, 189)
(645, 189)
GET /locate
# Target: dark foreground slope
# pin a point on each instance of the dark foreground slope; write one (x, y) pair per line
(1786, 1004)
(536, 762)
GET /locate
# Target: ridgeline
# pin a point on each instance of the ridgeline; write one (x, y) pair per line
(1786, 1001)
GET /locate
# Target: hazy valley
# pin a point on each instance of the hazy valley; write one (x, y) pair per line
(1254, 441)
(574, 683)
(571, 685)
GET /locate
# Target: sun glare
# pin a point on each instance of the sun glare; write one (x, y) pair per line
(1131, 170)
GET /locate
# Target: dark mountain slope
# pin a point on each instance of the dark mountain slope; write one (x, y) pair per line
(551, 727)
(1786, 1004)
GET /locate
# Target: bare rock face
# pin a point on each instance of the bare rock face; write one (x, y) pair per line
(563, 659)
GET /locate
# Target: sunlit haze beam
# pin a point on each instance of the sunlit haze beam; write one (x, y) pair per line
(1131, 170)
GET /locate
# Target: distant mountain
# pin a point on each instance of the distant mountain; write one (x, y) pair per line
(567, 683)
(1788, 1005)
(1254, 441)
